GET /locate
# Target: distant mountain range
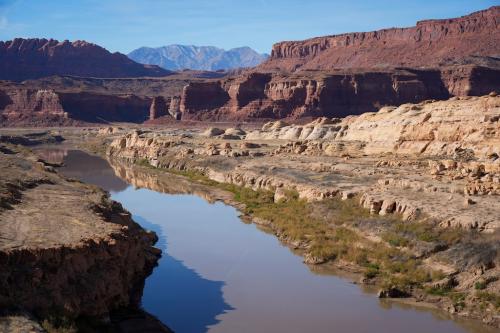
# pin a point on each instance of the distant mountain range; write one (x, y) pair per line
(178, 57)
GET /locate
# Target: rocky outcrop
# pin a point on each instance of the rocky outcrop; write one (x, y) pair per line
(161, 107)
(438, 128)
(21, 105)
(97, 108)
(22, 59)
(158, 108)
(66, 249)
(198, 97)
(471, 80)
(334, 94)
(350, 155)
(354, 73)
(430, 43)
(174, 108)
(33, 103)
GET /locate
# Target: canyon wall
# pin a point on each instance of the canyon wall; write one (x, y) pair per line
(99, 108)
(331, 76)
(19, 105)
(330, 94)
(430, 43)
(349, 74)
(22, 59)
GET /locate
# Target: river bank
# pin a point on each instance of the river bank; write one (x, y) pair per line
(220, 254)
(70, 257)
(415, 214)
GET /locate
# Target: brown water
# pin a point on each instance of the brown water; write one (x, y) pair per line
(218, 274)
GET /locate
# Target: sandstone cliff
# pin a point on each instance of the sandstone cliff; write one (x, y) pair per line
(22, 59)
(21, 105)
(431, 128)
(330, 94)
(430, 43)
(354, 73)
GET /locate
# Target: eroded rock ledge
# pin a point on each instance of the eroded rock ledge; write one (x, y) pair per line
(439, 159)
(66, 249)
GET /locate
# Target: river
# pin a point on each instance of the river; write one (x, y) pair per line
(219, 274)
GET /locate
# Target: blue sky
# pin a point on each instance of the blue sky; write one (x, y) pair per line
(123, 25)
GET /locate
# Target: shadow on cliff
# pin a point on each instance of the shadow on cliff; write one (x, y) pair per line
(177, 295)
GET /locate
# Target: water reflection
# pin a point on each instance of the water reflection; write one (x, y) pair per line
(221, 275)
(179, 296)
(82, 166)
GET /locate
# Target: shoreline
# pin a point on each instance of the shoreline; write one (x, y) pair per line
(353, 272)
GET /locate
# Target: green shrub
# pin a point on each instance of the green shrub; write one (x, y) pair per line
(439, 291)
(480, 285)
(395, 240)
(489, 297)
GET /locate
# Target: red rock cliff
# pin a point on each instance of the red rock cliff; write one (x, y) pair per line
(330, 94)
(353, 73)
(22, 59)
(20, 105)
(430, 43)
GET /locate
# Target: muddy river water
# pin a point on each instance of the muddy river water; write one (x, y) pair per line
(219, 274)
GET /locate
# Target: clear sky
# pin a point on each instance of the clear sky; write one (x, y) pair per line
(123, 25)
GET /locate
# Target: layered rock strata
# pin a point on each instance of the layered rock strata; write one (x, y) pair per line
(353, 73)
(330, 94)
(22, 59)
(19, 105)
(65, 247)
(429, 43)
(426, 158)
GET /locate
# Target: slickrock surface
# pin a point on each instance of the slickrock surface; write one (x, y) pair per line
(22, 59)
(65, 247)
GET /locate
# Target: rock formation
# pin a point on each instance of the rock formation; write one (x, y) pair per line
(430, 43)
(66, 248)
(34, 103)
(158, 108)
(466, 130)
(330, 94)
(22, 59)
(175, 107)
(433, 128)
(331, 76)
(202, 96)
(359, 72)
(20, 105)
